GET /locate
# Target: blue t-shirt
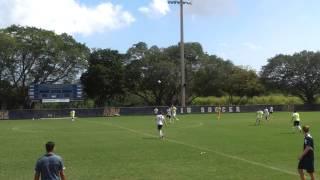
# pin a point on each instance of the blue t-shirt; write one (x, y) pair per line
(49, 167)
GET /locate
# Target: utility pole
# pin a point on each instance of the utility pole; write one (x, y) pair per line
(183, 81)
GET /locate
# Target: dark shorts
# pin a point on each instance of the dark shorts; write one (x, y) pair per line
(159, 127)
(306, 164)
(168, 116)
(270, 112)
(296, 123)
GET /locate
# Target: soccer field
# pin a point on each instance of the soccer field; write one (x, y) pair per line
(128, 148)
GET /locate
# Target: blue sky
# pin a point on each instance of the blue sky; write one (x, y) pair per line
(247, 32)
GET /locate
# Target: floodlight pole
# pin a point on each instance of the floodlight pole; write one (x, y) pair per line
(183, 81)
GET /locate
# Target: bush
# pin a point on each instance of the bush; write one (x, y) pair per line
(275, 99)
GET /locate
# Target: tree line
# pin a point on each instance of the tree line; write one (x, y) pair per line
(143, 75)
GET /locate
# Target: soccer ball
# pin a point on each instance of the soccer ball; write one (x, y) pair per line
(159, 81)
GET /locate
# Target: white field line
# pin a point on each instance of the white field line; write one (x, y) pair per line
(205, 149)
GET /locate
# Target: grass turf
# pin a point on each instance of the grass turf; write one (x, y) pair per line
(196, 147)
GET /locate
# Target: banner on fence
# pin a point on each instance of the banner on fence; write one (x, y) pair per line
(111, 111)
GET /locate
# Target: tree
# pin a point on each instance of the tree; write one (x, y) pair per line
(152, 77)
(211, 76)
(298, 74)
(193, 60)
(39, 56)
(103, 81)
(242, 82)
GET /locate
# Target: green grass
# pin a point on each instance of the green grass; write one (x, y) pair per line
(128, 148)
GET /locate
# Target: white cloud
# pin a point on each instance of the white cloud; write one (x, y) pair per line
(156, 8)
(64, 15)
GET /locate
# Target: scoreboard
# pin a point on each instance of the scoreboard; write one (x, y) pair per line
(55, 92)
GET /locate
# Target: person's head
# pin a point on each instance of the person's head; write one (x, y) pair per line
(295, 111)
(50, 146)
(160, 112)
(306, 129)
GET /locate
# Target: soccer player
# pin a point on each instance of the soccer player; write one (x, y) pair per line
(160, 120)
(296, 120)
(155, 110)
(49, 166)
(266, 113)
(271, 110)
(72, 114)
(218, 111)
(306, 159)
(174, 112)
(259, 117)
(169, 114)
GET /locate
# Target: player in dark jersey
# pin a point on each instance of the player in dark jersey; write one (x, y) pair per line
(306, 159)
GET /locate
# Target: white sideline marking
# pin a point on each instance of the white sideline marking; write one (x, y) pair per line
(205, 149)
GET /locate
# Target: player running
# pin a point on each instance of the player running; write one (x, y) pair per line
(266, 114)
(174, 113)
(72, 114)
(296, 120)
(160, 120)
(155, 110)
(259, 117)
(271, 110)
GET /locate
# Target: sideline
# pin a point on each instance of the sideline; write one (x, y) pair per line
(203, 149)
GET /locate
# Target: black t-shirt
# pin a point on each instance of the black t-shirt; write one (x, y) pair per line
(308, 141)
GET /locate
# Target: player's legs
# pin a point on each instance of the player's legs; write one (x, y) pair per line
(300, 129)
(160, 131)
(310, 169)
(301, 174)
(174, 117)
(257, 121)
(298, 126)
(312, 175)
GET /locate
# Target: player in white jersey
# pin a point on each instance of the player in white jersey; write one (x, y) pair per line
(160, 121)
(271, 109)
(155, 110)
(72, 114)
(174, 113)
(266, 113)
(259, 117)
(296, 120)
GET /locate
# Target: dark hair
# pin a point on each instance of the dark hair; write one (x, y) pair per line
(49, 146)
(306, 128)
